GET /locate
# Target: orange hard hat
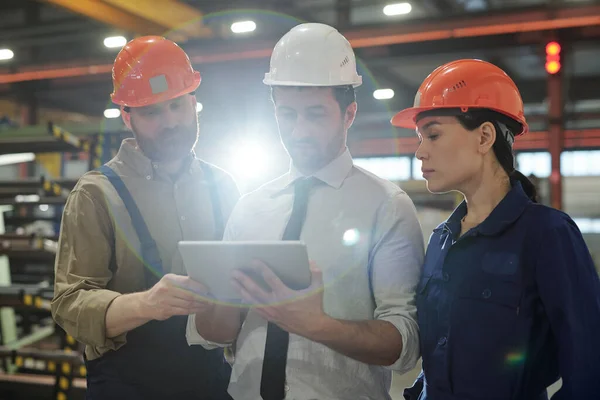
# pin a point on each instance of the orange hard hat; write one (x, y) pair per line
(466, 84)
(150, 70)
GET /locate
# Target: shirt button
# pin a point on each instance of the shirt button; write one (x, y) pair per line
(148, 177)
(183, 219)
(487, 293)
(443, 340)
(446, 276)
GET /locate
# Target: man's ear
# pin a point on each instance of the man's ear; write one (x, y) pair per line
(350, 115)
(487, 137)
(126, 116)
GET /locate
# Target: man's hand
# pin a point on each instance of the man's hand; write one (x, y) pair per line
(301, 312)
(296, 311)
(176, 295)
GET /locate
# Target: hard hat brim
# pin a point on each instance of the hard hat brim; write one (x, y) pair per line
(407, 118)
(274, 82)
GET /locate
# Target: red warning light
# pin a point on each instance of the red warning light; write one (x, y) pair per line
(552, 49)
(553, 58)
(552, 67)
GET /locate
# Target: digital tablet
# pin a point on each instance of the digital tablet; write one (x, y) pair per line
(212, 263)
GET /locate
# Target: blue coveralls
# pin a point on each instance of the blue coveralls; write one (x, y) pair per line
(509, 307)
(156, 362)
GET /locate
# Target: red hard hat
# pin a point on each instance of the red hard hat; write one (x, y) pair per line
(466, 84)
(150, 70)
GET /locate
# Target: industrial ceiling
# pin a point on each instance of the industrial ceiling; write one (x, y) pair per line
(60, 61)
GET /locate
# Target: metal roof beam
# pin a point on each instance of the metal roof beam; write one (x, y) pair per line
(419, 31)
(109, 15)
(178, 18)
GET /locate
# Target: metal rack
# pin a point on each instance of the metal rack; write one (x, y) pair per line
(27, 260)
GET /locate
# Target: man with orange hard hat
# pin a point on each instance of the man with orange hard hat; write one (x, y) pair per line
(120, 285)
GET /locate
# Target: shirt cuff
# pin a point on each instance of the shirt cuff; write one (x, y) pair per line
(92, 323)
(410, 354)
(194, 338)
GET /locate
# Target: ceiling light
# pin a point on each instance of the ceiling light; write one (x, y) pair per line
(6, 54)
(112, 113)
(17, 158)
(115, 42)
(243, 27)
(397, 9)
(383, 94)
(199, 107)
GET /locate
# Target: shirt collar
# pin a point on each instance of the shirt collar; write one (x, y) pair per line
(131, 154)
(333, 174)
(505, 214)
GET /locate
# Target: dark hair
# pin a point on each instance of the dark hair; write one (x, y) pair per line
(344, 95)
(474, 118)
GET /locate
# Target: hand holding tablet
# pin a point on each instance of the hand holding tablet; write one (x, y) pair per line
(213, 263)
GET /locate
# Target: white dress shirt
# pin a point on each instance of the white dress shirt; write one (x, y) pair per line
(363, 232)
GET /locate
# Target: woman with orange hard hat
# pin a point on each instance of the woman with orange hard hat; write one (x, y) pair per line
(509, 299)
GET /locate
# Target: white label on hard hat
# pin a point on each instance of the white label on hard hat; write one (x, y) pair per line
(158, 84)
(417, 102)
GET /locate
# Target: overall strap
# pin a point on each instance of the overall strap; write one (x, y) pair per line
(150, 255)
(215, 199)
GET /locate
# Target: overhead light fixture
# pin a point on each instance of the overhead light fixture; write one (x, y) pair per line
(199, 107)
(17, 158)
(383, 94)
(112, 113)
(113, 42)
(397, 9)
(243, 27)
(6, 54)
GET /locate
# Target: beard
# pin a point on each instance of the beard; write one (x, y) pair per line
(308, 155)
(169, 144)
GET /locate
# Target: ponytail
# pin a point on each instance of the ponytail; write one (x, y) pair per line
(528, 186)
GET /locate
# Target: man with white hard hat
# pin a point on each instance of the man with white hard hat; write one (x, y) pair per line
(342, 337)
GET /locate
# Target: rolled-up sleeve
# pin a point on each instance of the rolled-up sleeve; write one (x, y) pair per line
(395, 265)
(82, 272)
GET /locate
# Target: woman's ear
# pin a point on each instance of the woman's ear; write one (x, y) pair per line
(487, 137)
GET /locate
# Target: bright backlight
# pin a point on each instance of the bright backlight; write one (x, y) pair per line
(250, 160)
(397, 9)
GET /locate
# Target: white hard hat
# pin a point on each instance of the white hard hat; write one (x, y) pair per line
(313, 55)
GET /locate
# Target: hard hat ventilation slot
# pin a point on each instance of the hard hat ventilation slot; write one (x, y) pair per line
(345, 61)
(458, 85)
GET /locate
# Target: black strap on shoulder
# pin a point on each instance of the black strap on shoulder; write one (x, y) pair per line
(149, 250)
(215, 199)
